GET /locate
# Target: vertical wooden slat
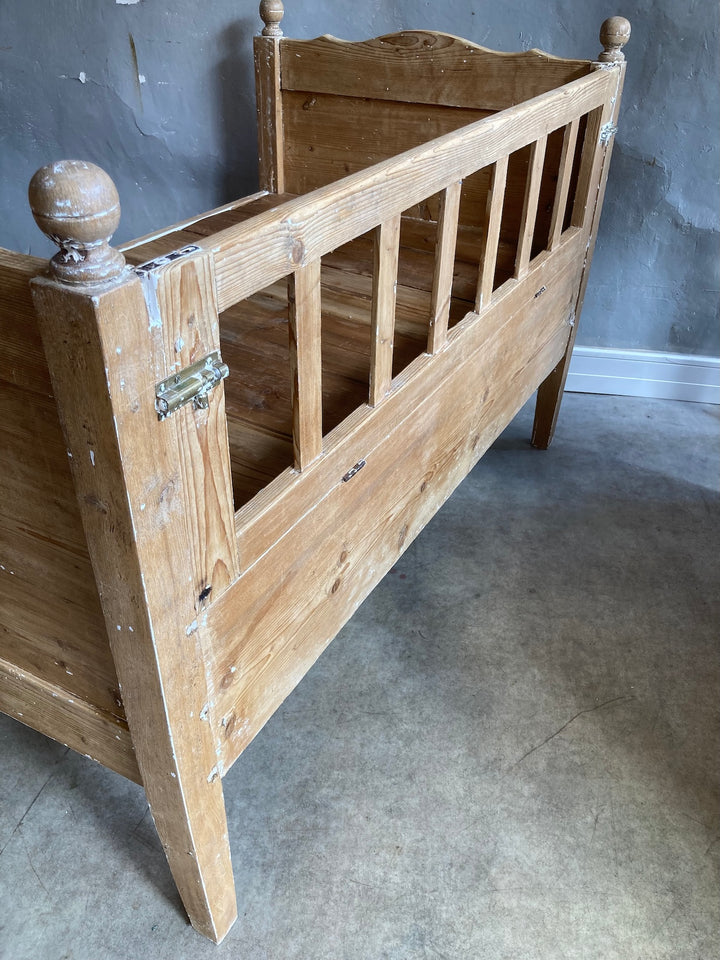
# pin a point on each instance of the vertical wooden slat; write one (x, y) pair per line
(529, 213)
(444, 263)
(386, 250)
(495, 198)
(269, 114)
(584, 204)
(306, 363)
(567, 156)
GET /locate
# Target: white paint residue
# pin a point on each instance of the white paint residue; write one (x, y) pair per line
(192, 628)
(142, 506)
(82, 77)
(233, 669)
(118, 627)
(127, 3)
(92, 457)
(141, 78)
(179, 344)
(131, 630)
(118, 350)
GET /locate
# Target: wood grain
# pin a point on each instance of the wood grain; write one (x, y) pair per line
(269, 113)
(442, 283)
(253, 255)
(105, 356)
(385, 276)
(423, 67)
(305, 363)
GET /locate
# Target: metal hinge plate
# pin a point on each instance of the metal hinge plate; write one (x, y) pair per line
(607, 132)
(191, 385)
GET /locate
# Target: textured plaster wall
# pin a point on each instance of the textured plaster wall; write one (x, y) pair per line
(161, 95)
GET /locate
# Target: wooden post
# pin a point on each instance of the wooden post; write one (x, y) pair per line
(614, 34)
(488, 258)
(306, 363)
(269, 99)
(385, 268)
(444, 265)
(140, 490)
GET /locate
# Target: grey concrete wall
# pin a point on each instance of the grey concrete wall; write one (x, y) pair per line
(161, 95)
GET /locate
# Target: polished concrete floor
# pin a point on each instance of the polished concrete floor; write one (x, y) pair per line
(510, 753)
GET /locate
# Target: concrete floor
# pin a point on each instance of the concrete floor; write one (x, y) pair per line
(510, 753)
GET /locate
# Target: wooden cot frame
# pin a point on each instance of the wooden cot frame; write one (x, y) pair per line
(207, 638)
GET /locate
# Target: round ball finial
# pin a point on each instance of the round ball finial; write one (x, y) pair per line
(272, 12)
(614, 34)
(76, 204)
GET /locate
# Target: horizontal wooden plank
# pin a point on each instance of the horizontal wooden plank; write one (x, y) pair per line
(54, 711)
(328, 137)
(420, 66)
(267, 633)
(252, 255)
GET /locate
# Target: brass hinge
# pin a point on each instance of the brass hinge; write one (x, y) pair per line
(607, 132)
(193, 384)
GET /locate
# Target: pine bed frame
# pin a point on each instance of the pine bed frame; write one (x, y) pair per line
(178, 548)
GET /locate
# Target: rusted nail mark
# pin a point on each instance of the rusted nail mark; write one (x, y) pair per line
(540, 292)
(205, 593)
(353, 470)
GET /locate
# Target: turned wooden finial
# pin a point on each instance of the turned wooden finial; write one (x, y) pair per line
(272, 12)
(77, 206)
(614, 34)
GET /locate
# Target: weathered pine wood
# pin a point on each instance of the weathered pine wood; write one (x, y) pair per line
(105, 350)
(305, 363)
(488, 257)
(269, 113)
(588, 205)
(253, 255)
(387, 242)
(529, 212)
(272, 513)
(357, 529)
(563, 184)
(327, 137)
(584, 203)
(185, 297)
(444, 262)
(75, 722)
(422, 67)
(52, 623)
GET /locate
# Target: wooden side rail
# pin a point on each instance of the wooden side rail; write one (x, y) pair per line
(250, 256)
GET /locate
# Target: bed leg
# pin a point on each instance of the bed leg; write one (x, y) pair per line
(138, 480)
(547, 405)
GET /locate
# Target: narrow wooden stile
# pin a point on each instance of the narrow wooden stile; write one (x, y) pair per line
(269, 113)
(567, 157)
(584, 204)
(444, 263)
(306, 363)
(530, 204)
(496, 196)
(385, 268)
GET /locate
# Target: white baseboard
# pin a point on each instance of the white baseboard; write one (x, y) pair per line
(644, 373)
